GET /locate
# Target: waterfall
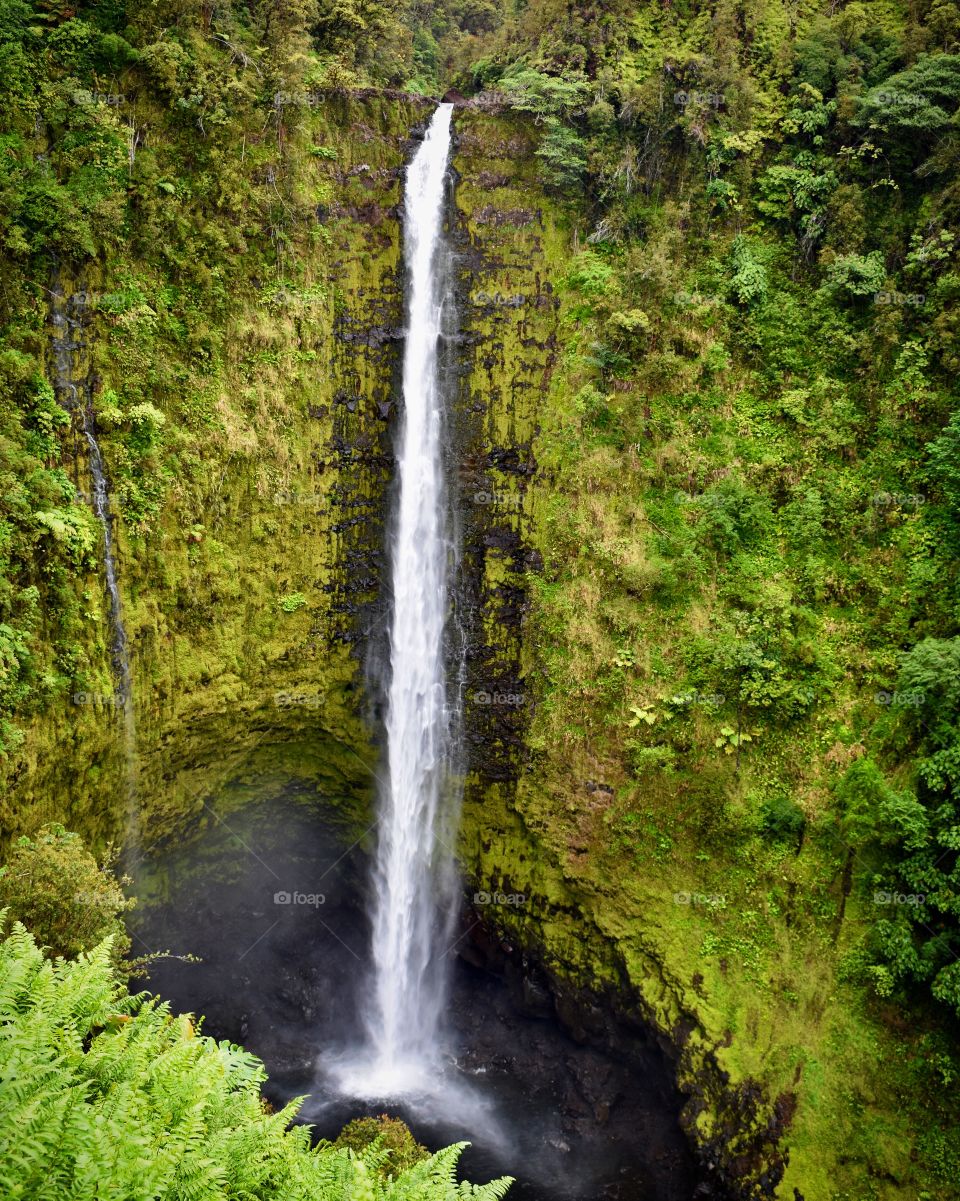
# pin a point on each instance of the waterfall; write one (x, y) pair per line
(119, 650)
(119, 646)
(415, 893)
(67, 320)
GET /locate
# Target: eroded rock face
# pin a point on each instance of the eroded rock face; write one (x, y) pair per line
(250, 604)
(241, 688)
(508, 346)
(232, 681)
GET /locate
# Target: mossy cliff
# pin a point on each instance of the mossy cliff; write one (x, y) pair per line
(251, 574)
(240, 354)
(594, 949)
(247, 592)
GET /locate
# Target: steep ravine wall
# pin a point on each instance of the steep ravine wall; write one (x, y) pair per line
(549, 933)
(251, 606)
(234, 683)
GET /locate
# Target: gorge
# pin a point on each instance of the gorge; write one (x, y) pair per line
(486, 568)
(453, 1066)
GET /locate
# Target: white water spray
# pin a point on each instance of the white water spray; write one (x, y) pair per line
(415, 897)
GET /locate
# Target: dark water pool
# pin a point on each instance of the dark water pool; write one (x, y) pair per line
(272, 901)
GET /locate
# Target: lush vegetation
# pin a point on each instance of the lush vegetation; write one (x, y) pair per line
(748, 504)
(749, 199)
(68, 901)
(747, 625)
(110, 1096)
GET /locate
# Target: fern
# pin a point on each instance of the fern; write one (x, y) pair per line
(109, 1097)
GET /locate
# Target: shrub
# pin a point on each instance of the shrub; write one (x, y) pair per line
(749, 280)
(292, 602)
(55, 887)
(389, 1135)
(782, 818)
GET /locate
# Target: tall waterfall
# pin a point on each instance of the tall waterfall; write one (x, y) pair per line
(414, 881)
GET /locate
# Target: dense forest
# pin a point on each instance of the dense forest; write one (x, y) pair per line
(734, 761)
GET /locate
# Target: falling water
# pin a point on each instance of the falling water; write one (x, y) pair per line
(119, 649)
(67, 320)
(414, 881)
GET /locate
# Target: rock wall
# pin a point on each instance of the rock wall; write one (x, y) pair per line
(248, 605)
(587, 952)
(252, 605)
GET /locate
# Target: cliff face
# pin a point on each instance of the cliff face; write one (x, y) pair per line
(252, 596)
(248, 601)
(251, 603)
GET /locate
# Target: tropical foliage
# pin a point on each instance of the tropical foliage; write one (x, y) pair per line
(109, 1097)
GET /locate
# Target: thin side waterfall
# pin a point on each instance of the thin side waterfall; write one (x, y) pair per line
(67, 319)
(415, 897)
(119, 647)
